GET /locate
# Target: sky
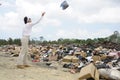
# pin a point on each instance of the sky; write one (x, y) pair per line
(83, 19)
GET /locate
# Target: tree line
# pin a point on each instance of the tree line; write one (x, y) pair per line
(10, 41)
(112, 38)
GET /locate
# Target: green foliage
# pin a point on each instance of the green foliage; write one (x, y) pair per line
(112, 38)
(115, 37)
(3, 42)
(17, 41)
(10, 41)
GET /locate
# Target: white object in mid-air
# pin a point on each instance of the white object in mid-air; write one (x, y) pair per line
(64, 5)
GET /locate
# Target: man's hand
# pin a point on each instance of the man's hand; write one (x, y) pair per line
(43, 13)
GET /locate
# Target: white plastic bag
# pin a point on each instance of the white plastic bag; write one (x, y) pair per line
(110, 74)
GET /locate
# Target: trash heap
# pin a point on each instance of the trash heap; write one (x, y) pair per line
(98, 63)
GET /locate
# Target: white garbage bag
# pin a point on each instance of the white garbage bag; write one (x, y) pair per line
(110, 74)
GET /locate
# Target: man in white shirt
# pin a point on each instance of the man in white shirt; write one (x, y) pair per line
(22, 61)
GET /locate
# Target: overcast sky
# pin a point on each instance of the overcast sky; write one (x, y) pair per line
(82, 19)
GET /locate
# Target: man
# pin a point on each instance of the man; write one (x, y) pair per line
(23, 58)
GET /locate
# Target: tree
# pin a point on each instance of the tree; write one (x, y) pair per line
(3, 42)
(115, 37)
(101, 40)
(17, 41)
(60, 40)
(89, 41)
(10, 41)
(32, 41)
(41, 38)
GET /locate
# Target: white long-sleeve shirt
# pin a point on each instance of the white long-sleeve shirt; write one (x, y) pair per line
(28, 28)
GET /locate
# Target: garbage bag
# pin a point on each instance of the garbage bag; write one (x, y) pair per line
(110, 74)
(64, 5)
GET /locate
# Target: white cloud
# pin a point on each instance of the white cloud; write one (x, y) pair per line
(100, 33)
(9, 21)
(6, 4)
(27, 8)
(51, 22)
(83, 33)
(106, 15)
(35, 9)
(79, 12)
(92, 11)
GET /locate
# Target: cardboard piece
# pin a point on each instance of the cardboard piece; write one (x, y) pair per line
(53, 57)
(78, 53)
(73, 59)
(83, 54)
(103, 56)
(96, 74)
(89, 71)
(67, 59)
(96, 58)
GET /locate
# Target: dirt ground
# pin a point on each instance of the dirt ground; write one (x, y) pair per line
(37, 71)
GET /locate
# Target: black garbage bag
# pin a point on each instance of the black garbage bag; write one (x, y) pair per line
(99, 66)
(64, 5)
